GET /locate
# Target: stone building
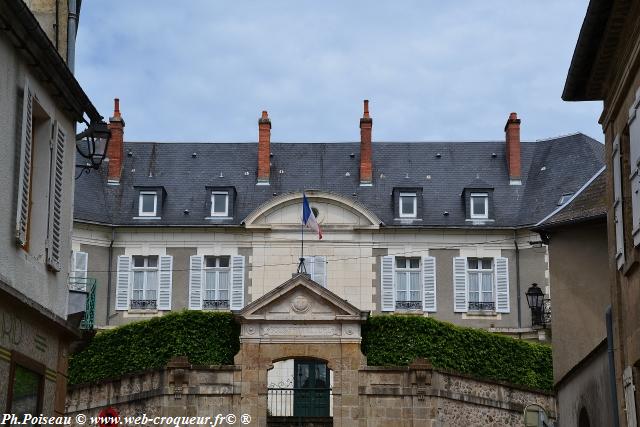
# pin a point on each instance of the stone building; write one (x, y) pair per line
(303, 324)
(439, 229)
(40, 104)
(605, 67)
(576, 235)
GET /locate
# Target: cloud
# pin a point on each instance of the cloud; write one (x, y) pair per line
(203, 70)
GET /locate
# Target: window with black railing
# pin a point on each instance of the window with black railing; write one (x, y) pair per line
(145, 283)
(216, 286)
(408, 284)
(480, 276)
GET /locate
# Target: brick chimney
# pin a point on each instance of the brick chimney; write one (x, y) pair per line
(264, 149)
(115, 150)
(366, 167)
(512, 137)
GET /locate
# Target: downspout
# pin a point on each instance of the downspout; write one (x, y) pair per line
(612, 368)
(72, 29)
(113, 235)
(515, 242)
(57, 24)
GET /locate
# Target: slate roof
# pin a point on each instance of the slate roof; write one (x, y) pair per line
(588, 204)
(550, 168)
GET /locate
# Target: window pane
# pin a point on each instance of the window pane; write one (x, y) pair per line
(223, 295)
(406, 205)
(486, 263)
(219, 203)
(152, 280)
(402, 281)
(151, 294)
(473, 263)
(487, 297)
(414, 296)
(138, 261)
(474, 297)
(152, 261)
(224, 261)
(138, 280)
(473, 282)
(415, 263)
(148, 202)
(415, 281)
(478, 205)
(26, 386)
(210, 281)
(401, 262)
(487, 282)
(210, 261)
(223, 280)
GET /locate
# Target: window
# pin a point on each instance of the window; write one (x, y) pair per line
(216, 282)
(219, 203)
(408, 284)
(145, 282)
(480, 276)
(148, 203)
(316, 267)
(26, 386)
(564, 198)
(479, 205)
(408, 205)
(78, 276)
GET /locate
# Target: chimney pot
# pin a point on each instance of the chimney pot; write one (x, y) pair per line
(115, 149)
(264, 148)
(512, 149)
(366, 166)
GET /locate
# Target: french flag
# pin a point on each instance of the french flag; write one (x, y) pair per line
(308, 218)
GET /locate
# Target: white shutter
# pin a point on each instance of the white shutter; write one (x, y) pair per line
(429, 284)
(634, 160)
(54, 233)
(387, 288)
(122, 282)
(617, 203)
(237, 282)
(196, 281)
(460, 285)
(629, 397)
(319, 270)
(165, 282)
(502, 285)
(24, 179)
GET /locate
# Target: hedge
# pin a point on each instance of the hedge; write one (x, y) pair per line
(396, 340)
(207, 338)
(212, 338)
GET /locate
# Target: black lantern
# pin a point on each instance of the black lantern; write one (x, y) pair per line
(92, 145)
(535, 299)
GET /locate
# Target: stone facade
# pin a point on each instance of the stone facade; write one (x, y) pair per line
(378, 396)
(302, 320)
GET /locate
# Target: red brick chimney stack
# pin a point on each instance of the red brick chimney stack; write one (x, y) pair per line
(115, 150)
(264, 149)
(366, 167)
(512, 137)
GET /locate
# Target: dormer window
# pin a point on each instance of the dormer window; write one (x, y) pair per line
(479, 205)
(220, 203)
(148, 203)
(408, 205)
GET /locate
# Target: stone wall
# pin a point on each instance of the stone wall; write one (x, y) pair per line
(414, 395)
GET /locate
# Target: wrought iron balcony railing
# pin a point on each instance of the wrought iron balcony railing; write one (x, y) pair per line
(408, 305)
(88, 285)
(482, 306)
(143, 304)
(216, 304)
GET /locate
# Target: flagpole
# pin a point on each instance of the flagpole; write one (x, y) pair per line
(301, 267)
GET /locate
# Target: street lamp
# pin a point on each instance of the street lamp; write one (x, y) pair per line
(535, 299)
(92, 145)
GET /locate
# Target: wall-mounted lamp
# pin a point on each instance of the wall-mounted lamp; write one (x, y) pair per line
(92, 145)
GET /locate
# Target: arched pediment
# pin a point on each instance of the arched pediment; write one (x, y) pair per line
(334, 210)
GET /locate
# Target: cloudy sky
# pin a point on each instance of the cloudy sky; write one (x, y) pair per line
(202, 70)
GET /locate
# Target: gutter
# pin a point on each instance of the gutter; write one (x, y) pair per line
(72, 29)
(109, 268)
